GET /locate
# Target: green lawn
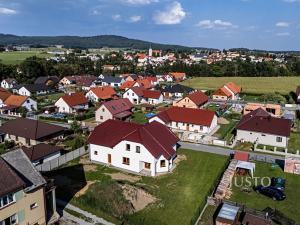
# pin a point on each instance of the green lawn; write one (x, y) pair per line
(290, 206)
(180, 194)
(139, 117)
(225, 130)
(260, 85)
(19, 56)
(294, 142)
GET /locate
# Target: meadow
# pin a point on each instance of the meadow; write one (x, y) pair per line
(257, 85)
(19, 56)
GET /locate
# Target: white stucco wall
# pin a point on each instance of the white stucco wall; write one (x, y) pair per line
(104, 112)
(261, 138)
(137, 160)
(30, 104)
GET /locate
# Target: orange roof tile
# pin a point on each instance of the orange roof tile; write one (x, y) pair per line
(105, 92)
(75, 99)
(15, 100)
(233, 87)
(127, 84)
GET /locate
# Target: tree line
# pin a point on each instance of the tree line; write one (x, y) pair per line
(33, 67)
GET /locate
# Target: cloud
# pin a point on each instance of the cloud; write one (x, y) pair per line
(282, 24)
(7, 11)
(139, 2)
(173, 14)
(116, 17)
(216, 24)
(283, 34)
(134, 19)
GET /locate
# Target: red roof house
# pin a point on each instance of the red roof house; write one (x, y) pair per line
(194, 100)
(134, 147)
(71, 103)
(101, 93)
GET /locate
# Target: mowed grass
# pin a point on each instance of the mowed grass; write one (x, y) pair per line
(179, 193)
(259, 85)
(290, 206)
(19, 56)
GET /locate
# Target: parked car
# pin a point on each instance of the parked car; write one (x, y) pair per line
(271, 192)
(278, 182)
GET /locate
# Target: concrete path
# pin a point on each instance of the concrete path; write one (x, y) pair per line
(95, 219)
(227, 152)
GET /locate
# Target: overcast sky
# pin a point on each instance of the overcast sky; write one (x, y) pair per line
(255, 24)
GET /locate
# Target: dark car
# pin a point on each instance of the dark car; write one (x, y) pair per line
(278, 183)
(271, 192)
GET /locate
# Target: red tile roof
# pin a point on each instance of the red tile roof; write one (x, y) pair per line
(105, 92)
(15, 100)
(233, 87)
(242, 156)
(261, 121)
(4, 94)
(177, 75)
(82, 80)
(198, 97)
(112, 132)
(138, 90)
(151, 94)
(127, 84)
(75, 99)
(187, 115)
(223, 92)
(145, 83)
(117, 106)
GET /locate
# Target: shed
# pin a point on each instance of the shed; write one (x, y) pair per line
(241, 156)
(228, 215)
(246, 166)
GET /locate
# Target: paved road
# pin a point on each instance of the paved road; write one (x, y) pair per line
(227, 152)
(95, 219)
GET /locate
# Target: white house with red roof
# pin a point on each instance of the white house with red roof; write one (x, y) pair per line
(119, 109)
(229, 91)
(187, 119)
(71, 103)
(139, 95)
(133, 147)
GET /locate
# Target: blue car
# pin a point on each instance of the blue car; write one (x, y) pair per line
(270, 192)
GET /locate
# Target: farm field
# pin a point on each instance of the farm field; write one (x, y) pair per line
(290, 206)
(177, 196)
(19, 56)
(258, 85)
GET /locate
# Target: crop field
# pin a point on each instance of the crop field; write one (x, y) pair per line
(19, 56)
(259, 85)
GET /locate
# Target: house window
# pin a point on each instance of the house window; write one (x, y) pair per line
(10, 220)
(101, 117)
(6, 200)
(201, 127)
(95, 153)
(127, 147)
(162, 163)
(33, 206)
(126, 161)
(147, 165)
(17, 138)
(103, 110)
(138, 149)
(279, 139)
(263, 135)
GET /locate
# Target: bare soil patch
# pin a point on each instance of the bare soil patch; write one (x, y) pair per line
(84, 189)
(138, 197)
(222, 121)
(124, 177)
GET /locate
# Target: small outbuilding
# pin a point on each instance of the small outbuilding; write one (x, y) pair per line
(228, 215)
(246, 166)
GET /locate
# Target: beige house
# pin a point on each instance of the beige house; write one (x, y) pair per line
(29, 132)
(194, 100)
(273, 109)
(23, 192)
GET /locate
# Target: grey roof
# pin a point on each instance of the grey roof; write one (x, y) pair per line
(178, 88)
(36, 87)
(111, 79)
(44, 80)
(21, 163)
(228, 212)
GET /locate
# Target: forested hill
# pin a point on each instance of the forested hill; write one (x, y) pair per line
(100, 41)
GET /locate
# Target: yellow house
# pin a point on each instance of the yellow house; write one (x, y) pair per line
(22, 192)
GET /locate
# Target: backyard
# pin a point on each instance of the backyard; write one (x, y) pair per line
(260, 85)
(174, 198)
(290, 206)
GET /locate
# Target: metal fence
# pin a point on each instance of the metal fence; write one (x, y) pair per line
(63, 159)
